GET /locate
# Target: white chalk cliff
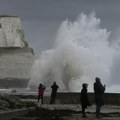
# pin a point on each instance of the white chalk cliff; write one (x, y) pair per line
(11, 34)
(16, 58)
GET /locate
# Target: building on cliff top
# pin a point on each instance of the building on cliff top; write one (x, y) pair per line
(16, 57)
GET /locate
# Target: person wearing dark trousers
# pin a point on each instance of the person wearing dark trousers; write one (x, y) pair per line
(99, 90)
(41, 89)
(54, 92)
(84, 99)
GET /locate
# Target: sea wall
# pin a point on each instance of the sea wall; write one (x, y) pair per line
(15, 67)
(74, 98)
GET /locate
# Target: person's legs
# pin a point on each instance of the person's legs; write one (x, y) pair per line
(38, 98)
(51, 100)
(41, 99)
(98, 111)
(83, 111)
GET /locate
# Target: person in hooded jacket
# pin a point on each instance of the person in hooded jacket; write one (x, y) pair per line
(84, 99)
(99, 90)
(54, 92)
(41, 89)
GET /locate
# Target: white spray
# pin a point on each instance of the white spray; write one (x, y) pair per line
(82, 52)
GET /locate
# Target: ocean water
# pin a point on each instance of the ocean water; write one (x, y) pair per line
(82, 51)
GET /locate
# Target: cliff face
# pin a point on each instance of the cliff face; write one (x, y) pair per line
(16, 58)
(11, 34)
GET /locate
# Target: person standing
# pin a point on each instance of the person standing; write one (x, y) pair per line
(53, 93)
(84, 99)
(99, 90)
(41, 89)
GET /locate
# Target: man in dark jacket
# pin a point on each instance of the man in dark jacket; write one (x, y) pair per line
(99, 93)
(84, 99)
(54, 91)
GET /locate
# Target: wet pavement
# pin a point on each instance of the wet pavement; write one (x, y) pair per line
(69, 112)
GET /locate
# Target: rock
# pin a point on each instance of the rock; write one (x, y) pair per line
(16, 58)
(11, 34)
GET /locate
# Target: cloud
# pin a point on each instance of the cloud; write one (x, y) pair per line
(53, 12)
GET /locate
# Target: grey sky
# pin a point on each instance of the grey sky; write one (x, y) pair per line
(41, 18)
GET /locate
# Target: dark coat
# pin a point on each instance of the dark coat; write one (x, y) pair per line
(84, 98)
(99, 93)
(54, 89)
(53, 94)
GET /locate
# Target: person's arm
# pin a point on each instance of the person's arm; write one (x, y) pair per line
(94, 87)
(102, 88)
(44, 87)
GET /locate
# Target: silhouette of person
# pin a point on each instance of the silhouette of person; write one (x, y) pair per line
(53, 93)
(84, 99)
(99, 93)
(41, 89)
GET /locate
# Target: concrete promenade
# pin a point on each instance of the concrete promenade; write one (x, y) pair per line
(108, 112)
(68, 102)
(77, 107)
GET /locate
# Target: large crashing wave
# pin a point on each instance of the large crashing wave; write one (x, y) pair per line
(82, 52)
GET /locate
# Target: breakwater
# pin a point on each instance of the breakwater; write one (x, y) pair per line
(74, 98)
